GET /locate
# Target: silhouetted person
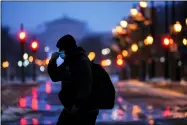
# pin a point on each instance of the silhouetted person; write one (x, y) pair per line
(79, 108)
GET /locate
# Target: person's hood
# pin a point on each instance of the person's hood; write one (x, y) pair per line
(76, 52)
(66, 43)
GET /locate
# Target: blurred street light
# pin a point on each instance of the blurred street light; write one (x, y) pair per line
(46, 49)
(132, 26)
(134, 47)
(42, 68)
(177, 27)
(91, 56)
(22, 36)
(120, 62)
(20, 63)
(167, 42)
(25, 56)
(38, 62)
(143, 4)
(134, 12)
(124, 23)
(147, 22)
(34, 46)
(47, 61)
(139, 17)
(30, 59)
(5, 64)
(125, 53)
(106, 62)
(25, 63)
(149, 40)
(146, 42)
(186, 21)
(184, 41)
(105, 51)
(119, 29)
(179, 63)
(119, 56)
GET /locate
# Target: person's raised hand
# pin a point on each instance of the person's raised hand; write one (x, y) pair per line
(55, 55)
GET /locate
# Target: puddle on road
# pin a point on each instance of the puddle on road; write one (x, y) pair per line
(46, 108)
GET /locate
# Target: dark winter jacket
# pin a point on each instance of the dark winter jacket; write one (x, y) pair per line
(77, 91)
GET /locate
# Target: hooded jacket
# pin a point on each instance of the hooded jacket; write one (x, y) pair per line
(77, 91)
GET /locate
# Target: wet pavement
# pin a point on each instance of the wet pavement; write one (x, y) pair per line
(45, 108)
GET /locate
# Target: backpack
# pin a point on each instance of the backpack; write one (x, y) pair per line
(103, 89)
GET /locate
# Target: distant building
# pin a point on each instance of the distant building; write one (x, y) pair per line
(53, 30)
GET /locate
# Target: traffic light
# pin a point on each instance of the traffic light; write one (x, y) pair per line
(22, 35)
(34, 46)
(167, 41)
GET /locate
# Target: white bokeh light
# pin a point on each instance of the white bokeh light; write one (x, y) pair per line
(42, 68)
(26, 63)
(20, 63)
(25, 56)
(46, 49)
(105, 51)
(162, 59)
(179, 63)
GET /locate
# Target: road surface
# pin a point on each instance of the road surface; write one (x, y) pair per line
(43, 107)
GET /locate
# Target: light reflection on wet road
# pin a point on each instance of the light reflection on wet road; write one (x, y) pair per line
(46, 108)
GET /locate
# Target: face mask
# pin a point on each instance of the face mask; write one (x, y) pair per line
(60, 59)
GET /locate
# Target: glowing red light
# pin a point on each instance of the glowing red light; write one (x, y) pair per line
(23, 121)
(48, 87)
(34, 45)
(35, 121)
(22, 35)
(166, 41)
(22, 102)
(34, 104)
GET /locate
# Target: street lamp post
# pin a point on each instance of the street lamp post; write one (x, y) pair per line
(22, 38)
(152, 67)
(34, 47)
(166, 44)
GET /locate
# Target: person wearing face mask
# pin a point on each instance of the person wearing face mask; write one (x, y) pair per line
(76, 77)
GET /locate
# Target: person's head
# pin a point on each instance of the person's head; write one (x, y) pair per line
(66, 43)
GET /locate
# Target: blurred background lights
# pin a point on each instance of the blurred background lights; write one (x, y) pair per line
(25, 63)
(25, 56)
(5, 64)
(162, 59)
(42, 68)
(30, 59)
(105, 51)
(20, 63)
(46, 49)
(123, 23)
